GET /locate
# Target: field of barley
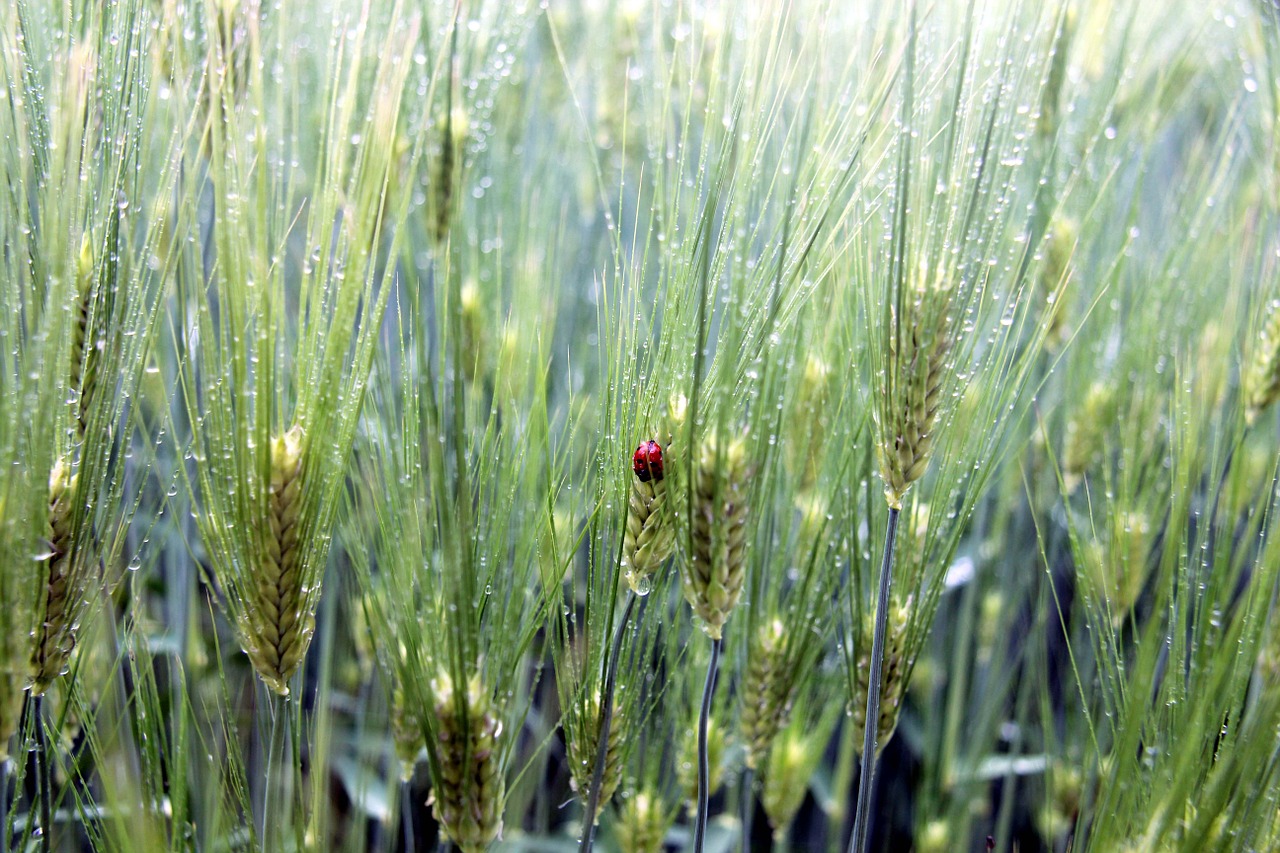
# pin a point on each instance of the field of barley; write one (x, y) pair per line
(639, 426)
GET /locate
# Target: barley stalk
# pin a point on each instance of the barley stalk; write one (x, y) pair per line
(470, 790)
(278, 625)
(13, 684)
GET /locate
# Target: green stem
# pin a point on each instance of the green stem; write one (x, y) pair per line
(268, 776)
(293, 726)
(871, 724)
(704, 762)
(406, 814)
(44, 777)
(606, 721)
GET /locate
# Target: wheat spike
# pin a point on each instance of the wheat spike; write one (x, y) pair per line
(1262, 376)
(56, 633)
(713, 575)
(766, 694)
(893, 683)
(582, 752)
(471, 788)
(279, 626)
(643, 823)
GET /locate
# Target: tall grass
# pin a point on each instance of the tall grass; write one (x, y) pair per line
(392, 395)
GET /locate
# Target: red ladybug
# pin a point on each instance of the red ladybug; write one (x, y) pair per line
(647, 461)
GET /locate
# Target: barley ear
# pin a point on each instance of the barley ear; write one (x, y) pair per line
(582, 752)
(643, 823)
(55, 635)
(786, 781)
(765, 698)
(84, 357)
(1262, 375)
(279, 627)
(893, 683)
(687, 765)
(406, 732)
(649, 537)
(714, 573)
(919, 368)
(470, 791)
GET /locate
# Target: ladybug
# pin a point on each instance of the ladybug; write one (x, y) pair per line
(647, 461)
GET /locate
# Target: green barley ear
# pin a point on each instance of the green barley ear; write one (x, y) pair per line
(1261, 381)
(893, 683)
(1057, 816)
(714, 573)
(65, 588)
(1116, 563)
(811, 423)
(280, 625)
(918, 347)
(406, 732)
(470, 790)
(582, 751)
(792, 761)
(649, 537)
(473, 331)
(1055, 276)
(1086, 432)
(84, 357)
(457, 126)
(765, 699)
(687, 765)
(643, 823)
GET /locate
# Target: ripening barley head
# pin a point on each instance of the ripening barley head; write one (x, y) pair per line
(714, 572)
(1261, 376)
(911, 392)
(471, 787)
(766, 691)
(279, 618)
(643, 821)
(582, 741)
(895, 666)
(649, 536)
(280, 346)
